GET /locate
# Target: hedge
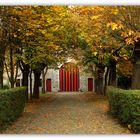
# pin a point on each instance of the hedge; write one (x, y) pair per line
(12, 103)
(125, 104)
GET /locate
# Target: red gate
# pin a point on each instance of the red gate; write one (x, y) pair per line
(90, 84)
(69, 77)
(48, 85)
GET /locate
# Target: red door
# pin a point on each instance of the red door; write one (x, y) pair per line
(48, 85)
(69, 77)
(90, 84)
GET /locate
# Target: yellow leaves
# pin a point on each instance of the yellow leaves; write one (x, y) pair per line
(136, 36)
(127, 33)
(49, 20)
(127, 70)
(116, 58)
(120, 26)
(57, 8)
(131, 36)
(115, 12)
(124, 34)
(113, 26)
(15, 35)
(50, 58)
(129, 41)
(112, 10)
(29, 33)
(42, 31)
(55, 28)
(95, 53)
(125, 57)
(95, 17)
(130, 32)
(49, 36)
(54, 47)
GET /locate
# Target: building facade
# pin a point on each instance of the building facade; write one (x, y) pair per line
(68, 77)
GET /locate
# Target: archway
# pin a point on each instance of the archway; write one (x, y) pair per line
(69, 77)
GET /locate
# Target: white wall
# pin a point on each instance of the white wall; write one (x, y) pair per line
(54, 76)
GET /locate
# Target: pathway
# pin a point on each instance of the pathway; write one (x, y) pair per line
(67, 113)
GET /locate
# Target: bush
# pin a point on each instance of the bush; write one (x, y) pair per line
(12, 103)
(5, 87)
(125, 104)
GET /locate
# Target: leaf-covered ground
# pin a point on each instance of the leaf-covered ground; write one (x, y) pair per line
(67, 113)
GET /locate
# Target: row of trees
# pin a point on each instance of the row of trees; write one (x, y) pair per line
(109, 35)
(32, 39)
(35, 38)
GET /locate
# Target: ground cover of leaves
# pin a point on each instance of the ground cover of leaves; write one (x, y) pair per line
(67, 113)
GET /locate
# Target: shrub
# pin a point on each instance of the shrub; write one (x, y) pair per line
(12, 103)
(125, 104)
(5, 87)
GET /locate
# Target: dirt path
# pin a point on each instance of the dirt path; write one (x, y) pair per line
(67, 113)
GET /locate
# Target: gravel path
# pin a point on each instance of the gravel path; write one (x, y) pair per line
(67, 113)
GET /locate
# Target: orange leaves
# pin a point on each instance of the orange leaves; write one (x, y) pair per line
(130, 36)
(115, 26)
(129, 41)
(29, 33)
(125, 67)
(58, 8)
(94, 17)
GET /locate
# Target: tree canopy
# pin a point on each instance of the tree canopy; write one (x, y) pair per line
(35, 37)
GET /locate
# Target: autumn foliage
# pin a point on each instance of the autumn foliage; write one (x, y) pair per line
(35, 38)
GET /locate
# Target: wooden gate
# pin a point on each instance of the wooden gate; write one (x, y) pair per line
(90, 84)
(48, 85)
(69, 77)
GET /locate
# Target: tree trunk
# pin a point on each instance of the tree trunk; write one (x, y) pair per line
(43, 82)
(99, 80)
(112, 73)
(136, 77)
(36, 84)
(3, 41)
(100, 85)
(25, 75)
(44, 72)
(136, 66)
(31, 85)
(96, 85)
(2, 58)
(105, 80)
(1, 73)
(11, 68)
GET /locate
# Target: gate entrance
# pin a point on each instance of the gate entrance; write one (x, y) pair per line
(48, 85)
(69, 77)
(90, 84)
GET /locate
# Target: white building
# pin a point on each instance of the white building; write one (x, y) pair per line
(67, 77)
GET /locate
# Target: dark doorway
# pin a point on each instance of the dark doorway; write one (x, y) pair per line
(90, 84)
(48, 85)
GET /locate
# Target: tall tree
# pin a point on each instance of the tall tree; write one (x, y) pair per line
(107, 33)
(3, 39)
